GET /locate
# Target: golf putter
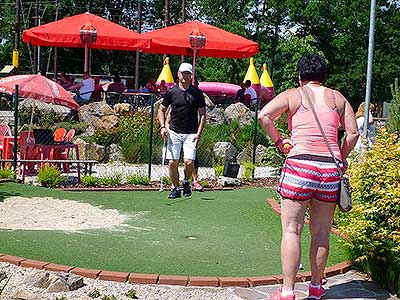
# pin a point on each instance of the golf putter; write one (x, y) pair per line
(164, 154)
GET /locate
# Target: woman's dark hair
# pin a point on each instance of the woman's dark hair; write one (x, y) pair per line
(312, 67)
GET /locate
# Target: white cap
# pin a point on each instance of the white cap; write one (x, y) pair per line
(185, 67)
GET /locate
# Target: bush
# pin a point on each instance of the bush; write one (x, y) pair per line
(166, 180)
(7, 174)
(50, 176)
(89, 180)
(112, 180)
(249, 168)
(373, 226)
(43, 119)
(106, 137)
(138, 179)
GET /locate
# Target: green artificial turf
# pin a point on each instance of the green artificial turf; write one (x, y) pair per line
(215, 233)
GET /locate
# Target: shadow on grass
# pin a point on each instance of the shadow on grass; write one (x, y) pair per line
(5, 194)
(207, 198)
(179, 201)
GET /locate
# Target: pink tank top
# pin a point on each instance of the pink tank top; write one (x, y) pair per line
(305, 132)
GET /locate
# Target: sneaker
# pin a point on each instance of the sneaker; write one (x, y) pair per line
(187, 191)
(315, 293)
(197, 186)
(278, 295)
(175, 193)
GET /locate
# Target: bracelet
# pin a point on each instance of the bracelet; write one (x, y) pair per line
(278, 142)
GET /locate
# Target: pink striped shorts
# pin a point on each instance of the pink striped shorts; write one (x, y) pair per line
(305, 177)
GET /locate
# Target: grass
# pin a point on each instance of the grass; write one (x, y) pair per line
(220, 233)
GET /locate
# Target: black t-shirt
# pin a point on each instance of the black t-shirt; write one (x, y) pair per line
(184, 108)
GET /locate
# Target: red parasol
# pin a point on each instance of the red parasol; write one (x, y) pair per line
(219, 43)
(38, 87)
(67, 32)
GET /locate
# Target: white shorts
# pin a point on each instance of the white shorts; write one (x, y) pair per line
(175, 143)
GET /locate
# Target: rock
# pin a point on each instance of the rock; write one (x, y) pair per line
(215, 116)
(58, 286)
(37, 278)
(41, 107)
(90, 151)
(115, 153)
(25, 294)
(260, 153)
(243, 156)
(124, 109)
(225, 150)
(238, 111)
(3, 276)
(75, 282)
(98, 114)
(228, 181)
(209, 104)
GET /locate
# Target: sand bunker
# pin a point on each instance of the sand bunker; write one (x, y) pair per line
(53, 214)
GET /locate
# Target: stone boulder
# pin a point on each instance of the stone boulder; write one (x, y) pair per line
(40, 107)
(215, 116)
(124, 109)
(243, 156)
(238, 111)
(209, 104)
(52, 282)
(115, 153)
(225, 150)
(228, 181)
(98, 115)
(260, 153)
(89, 151)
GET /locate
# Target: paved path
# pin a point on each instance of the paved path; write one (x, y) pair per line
(345, 286)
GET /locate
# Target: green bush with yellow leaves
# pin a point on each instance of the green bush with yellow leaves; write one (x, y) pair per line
(373, 226)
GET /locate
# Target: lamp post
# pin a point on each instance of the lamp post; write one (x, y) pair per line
(197, 41)
(88, 34)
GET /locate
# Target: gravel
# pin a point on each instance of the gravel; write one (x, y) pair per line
(109, 288)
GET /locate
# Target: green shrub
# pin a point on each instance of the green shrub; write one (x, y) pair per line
(373, 226)
(41, 118)
(249, 168)
(204, 183)
(106, 137)
(89, 180)
(167, 180)
(138, 179)
(112, 180)
(50, 176)
(7, 173)
(134, 138)
(94, 294)
(108, 297)
(131, 294)
(219, 170)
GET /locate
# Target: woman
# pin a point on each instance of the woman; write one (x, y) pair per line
(360, 116)
(309, 175)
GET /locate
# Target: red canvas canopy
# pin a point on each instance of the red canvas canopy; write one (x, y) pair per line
(219, 43)
(66, 33)
(38, 87)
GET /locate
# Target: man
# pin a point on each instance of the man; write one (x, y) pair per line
(250, 94)
(240, 94)
(117, 86)
(187, 102)
(86, 88)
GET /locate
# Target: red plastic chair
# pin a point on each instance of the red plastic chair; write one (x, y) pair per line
(27, 150)
(5, 130)
(59, 134)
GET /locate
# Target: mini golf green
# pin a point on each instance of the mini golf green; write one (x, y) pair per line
(215, 233)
